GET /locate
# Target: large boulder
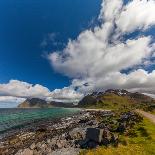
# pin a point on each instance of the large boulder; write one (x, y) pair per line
(94, 134)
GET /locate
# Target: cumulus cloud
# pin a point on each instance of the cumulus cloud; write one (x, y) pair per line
(17, 91)
(10, 102)
(23, 89)
(11, 99)
(66, 94)
(137, 14)
(95, 60)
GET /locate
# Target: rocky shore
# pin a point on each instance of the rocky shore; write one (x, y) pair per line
(67, 136)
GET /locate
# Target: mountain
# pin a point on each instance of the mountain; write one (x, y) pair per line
(61, 104)
(40, 103)
(115, 99)
(33, 103)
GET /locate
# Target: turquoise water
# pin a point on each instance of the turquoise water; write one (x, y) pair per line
(11, 118)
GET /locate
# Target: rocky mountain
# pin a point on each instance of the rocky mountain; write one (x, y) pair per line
(61, 104)
(114, 99)
(33, 103)
(40, 103)
(110, 99)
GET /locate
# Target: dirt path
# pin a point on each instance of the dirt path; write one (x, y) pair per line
(151, 117)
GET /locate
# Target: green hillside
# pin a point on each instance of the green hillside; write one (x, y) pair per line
(118, 99)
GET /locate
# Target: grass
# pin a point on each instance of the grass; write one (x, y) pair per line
(112, 102)
(139, 141)
(153, 112)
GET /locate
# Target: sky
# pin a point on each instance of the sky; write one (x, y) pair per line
(62, 50)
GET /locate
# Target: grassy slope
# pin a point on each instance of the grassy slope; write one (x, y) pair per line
(140, 142)
(112, 102)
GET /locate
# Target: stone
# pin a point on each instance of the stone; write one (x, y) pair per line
(38, 145)
(48, 141)
(94, 134)
(32, 146)
(27, 152)
(53, 141)
(106, 133)
(66, 151)
(114, 139)
(92, 144)
(77, 133)
(121, 128)
(59, 144)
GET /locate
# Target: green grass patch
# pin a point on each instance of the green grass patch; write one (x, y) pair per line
(112, 102)
(138, 141)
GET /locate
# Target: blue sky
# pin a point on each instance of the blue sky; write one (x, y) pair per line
(24, 25)
(62, 50)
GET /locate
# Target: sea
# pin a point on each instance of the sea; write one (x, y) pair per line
(14, 118)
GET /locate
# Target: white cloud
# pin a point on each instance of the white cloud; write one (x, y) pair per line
(11, 99)
(17, 91)
(110, 9)
(137, 14)
(23, 89)
(95, 60)
(138, 80)
(66, 94)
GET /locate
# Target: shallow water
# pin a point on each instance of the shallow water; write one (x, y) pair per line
(15, 117)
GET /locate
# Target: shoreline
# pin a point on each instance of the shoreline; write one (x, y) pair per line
(49, 129)
(86, 129)
(97, 110)
(33, 124)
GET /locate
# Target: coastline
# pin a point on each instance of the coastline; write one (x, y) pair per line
(86, 129)
(97, 110)
(36, 123)
(43, 130)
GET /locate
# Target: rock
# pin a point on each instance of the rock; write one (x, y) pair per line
(94, 134)
(106, 139)
(121, 127)
(77, 133)
(106, 133)
(84, 120)
(114, 139)
(66, 151)
(82, 143)
(19, 152)
(35, 152)
(48, 141)
(92, 144)
(48, 150)
(32, 146)
(43, 146)
(38, 145)
(41, 129)
(68, 136)
(53, 142)
(27, 152)
(59, 144)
